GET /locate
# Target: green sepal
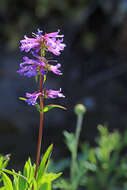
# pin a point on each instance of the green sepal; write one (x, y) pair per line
(51, 106)
(21, 98)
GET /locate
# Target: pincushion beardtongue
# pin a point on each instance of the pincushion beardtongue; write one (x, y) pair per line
(47, 42)
(32, 67)
(32, 98)
(38, 45)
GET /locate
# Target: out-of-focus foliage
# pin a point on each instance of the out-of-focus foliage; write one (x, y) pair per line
(100, 167)
(17, 17)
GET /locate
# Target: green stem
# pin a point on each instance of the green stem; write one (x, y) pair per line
(78, 130)
(74, 164)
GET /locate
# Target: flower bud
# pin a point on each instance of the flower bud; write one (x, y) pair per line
(79, 109)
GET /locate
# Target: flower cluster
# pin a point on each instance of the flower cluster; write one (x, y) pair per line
(38, 45)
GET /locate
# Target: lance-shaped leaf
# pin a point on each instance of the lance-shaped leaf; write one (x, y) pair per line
(44, 163)
(38, 107)
(7, 182)
(21, 98)
(44, 79)
(51, 106)
(36, 78)
(14, 173)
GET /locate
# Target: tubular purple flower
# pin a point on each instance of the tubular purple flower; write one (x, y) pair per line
(30, 43)
(54, 35)
(30, 67)
(53, 94)
(55, 69)
(32, 98)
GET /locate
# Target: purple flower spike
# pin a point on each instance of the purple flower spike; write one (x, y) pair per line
(32, 98)
(53, 94)
(38, 45)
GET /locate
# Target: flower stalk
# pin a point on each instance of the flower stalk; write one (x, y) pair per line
(39, 45)
(40, 128)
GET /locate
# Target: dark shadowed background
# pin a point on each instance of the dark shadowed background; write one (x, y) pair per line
(94, 64)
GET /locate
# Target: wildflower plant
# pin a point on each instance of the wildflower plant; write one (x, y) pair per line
(39, 66)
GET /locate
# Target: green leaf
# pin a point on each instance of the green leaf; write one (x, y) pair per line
(6, 160)
(15, 182)
(26, 171)
(7, 182)
(22, 183)
(37, 106)
(35, 185)
(44, 79)
(51, 106)
(2, 188)
(70, 141)
(51, 176)
(29, 170)
(14, 173)
(46, 180)
(62, 184)
(36, 78)
(1, 161)
(44, 162)
(45, 186)
(24, 99)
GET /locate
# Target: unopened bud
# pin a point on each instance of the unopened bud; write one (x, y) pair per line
(79, 109)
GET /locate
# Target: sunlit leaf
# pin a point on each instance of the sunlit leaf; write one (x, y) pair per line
(44, 162)
(2, 188)
(51, 106)
(44, 79)
(35, 185)
(45, 186)
(37, 106)
(14, 173)
(7, 182)
(36, 78)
